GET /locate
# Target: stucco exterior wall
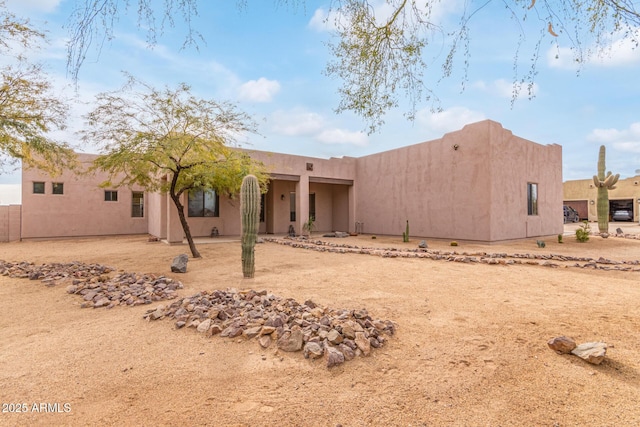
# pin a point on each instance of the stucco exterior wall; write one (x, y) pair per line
(467, 185)
(431, 185)
(291, 174)
(228, 223)
(515, 162)
(10, 223)
(470, 184)
(303, 175)
(157, 215)
(341, 205)
(80, 211)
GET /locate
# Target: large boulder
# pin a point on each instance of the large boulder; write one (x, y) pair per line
(179, 264)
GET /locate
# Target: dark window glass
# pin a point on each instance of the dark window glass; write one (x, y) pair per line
(263, 200)
(137, 204)
(57, 188)
(110, 196)
(38, 188)
(203, 204)
(532, 199)
(292, 207)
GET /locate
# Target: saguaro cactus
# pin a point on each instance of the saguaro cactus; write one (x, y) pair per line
(250, 218)
(604, 183)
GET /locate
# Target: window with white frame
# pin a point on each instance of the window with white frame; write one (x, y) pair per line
(110, 196)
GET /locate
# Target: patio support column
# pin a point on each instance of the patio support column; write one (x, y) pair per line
(302, 203)
(352, 208)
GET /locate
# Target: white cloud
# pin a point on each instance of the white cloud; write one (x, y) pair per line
(342, 136)
(322, 20)
(448, 120)
(301, 123)
(296, 122)
(626, 140)
(20, 6)
(325, 20)
(506, 89)
(261, 90)
(619, 51)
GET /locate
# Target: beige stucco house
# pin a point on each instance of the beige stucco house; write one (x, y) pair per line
(481, 183)
(582, 195)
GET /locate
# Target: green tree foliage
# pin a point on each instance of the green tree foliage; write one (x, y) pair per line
(29, 109)
(172, 142)
(379, 47)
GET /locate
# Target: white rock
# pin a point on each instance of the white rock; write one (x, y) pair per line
(592, 352)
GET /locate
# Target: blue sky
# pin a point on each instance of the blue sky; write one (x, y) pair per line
(269, 59)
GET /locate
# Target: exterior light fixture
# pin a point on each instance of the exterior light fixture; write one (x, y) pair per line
(282, 197)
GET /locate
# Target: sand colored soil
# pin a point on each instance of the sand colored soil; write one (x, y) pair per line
(470, 348)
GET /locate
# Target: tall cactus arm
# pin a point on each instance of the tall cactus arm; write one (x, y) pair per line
(616, 177)
(608, 182)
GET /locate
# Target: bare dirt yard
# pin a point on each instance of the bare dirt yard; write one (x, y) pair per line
(470, 347)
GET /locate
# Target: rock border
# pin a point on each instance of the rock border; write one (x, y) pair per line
(550, 260)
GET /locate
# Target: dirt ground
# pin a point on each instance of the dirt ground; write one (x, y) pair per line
(470, 348)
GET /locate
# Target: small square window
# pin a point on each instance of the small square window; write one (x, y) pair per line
(110, 196)
(57, 188)
(38, 188)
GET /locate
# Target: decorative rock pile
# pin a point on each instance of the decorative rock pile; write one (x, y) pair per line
(550, 260)
(93, 283)
(54, 273)
(124, 289)
(336, 335)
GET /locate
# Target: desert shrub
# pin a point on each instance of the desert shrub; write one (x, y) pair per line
(454, 243)
(560, 238)
(541, 243)
(582, 233)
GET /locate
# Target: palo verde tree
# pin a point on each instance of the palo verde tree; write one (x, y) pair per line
(29, 109)
(380, 47)
(171, 142)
